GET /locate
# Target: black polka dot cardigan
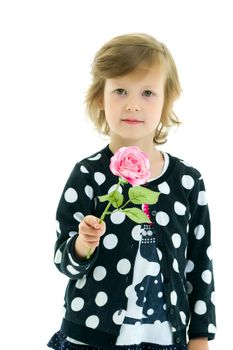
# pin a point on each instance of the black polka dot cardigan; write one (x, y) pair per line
(95, 299)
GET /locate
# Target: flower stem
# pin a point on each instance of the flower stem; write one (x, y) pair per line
(108, 205)
(125, 204)
(103, 216)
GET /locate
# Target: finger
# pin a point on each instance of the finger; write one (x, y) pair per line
(92, 221)
(90, 241)
(84, 229)
(91, 238)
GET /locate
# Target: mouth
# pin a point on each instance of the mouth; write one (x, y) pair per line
(132, 121)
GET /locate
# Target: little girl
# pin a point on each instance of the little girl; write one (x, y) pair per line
(145, 286)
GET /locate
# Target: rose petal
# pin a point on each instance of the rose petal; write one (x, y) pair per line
(131, 164)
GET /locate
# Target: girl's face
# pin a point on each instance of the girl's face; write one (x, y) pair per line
(133, 105)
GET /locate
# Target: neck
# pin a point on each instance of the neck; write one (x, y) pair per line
(149, 148)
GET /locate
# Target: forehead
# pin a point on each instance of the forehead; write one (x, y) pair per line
(155, 74)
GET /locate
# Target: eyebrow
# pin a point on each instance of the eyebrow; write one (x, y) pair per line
(122, 84)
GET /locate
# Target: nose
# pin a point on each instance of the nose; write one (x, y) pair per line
(132, 108)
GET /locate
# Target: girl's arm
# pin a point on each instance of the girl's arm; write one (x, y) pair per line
(77, 201)
(198, 344)
(199, 270)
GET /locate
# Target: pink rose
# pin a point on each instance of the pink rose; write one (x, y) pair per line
(131, 164)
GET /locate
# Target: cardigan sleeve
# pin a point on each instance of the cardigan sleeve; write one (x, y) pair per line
(76, 202)
(199, 268)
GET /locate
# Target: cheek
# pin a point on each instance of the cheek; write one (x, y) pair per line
(111, 108)
(159, 107)
(156, 110)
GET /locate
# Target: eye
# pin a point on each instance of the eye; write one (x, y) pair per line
(147, 93)
(120, 91)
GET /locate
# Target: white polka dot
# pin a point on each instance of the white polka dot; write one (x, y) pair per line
(160, 255)
(162, 218)
(123, 266)
(113, 187)
(179, 208)
(164, 188)
(99, 178)
(72, 233)
(72, 270)
(101, 299)
(165, 307)
(150, 312)
(89, 191)
(206, 276)
(110, 241)
(73, 262)
(199, 232)
(176, 240)
(211, 328)
(68, 240)
(202, 199)
(78, 216)
(84, 169)
(63, 311)
(99, 273)
(183, 317)
(118, 317)
(200, 307)
(58, 227)
(92, 321)
(160, 294)
(81, 283)
(136, 232)
(71, 340)
(213, 297)
(175, 265)
(96, 157)
(173, 297)
(144, 233)
(187, 182)
(189, 287)
(77, 304)
(185, 253)
(58, 257)
(189, 266)
(117, 217)
(71, 195)
(209, 252)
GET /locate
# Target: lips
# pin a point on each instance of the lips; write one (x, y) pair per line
(132, 121)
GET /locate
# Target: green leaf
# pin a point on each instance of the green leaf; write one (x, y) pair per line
(142, 195)
(137, 215)
(116, 199)
(104, 198)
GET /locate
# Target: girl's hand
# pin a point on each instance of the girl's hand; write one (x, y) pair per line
(198, 344)
(90, 231)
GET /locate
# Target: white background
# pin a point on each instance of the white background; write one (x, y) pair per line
(46, 51)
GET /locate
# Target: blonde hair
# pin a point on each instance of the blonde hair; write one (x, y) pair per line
(122, 55)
